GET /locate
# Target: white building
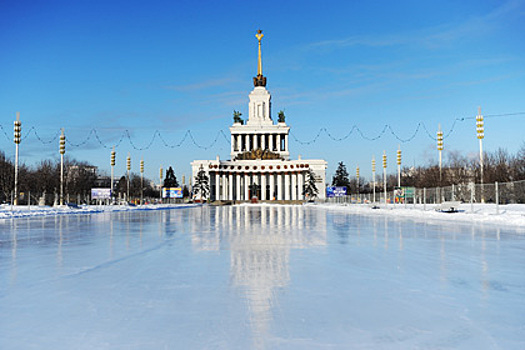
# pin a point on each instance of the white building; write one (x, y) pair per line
(260, 164)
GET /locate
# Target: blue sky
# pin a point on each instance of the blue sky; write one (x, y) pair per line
(186, 65)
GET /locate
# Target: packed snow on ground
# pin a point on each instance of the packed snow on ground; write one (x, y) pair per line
(13, 211)
(510, 215)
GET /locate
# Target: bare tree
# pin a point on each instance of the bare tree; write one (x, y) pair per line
(7, 171)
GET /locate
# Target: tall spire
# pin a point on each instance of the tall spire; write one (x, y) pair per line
(259, 80)
(259, 36)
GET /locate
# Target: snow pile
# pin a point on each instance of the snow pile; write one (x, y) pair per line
(10, 211)
(504, 215)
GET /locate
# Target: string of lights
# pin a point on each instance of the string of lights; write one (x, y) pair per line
(81, 143)
(363, 136)
(141, 148)
(33, 129)
(166, 144)
(156, 134)
(188, 134)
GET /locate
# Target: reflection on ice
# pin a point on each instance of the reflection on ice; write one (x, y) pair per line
(267, 277)
(260, 239)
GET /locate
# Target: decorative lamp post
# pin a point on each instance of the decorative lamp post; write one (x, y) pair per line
(17, 139)
(481, 134)
(374, 179)
(142, 181)
(129, 169)
(440, 149)
(160, 186)
(384, 172)
(113, 156)
(62, 152)
(399, 166)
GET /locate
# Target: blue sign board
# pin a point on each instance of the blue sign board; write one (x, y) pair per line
(172, 192)
(335, 191)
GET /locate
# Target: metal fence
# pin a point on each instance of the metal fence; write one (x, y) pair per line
(499, 193)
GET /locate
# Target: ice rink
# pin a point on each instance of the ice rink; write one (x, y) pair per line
(259, 277)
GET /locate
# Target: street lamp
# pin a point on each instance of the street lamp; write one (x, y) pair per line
(62, 149)
(17, 139)
(399, 166)
(113, 156)
(128, 161)
(374, 178)
(440, 149)
(384, 172)
(481, 134)
(142, 181)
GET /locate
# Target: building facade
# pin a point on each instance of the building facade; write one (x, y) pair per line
(260, 164)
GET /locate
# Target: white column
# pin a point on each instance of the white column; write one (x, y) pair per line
(230, 183)
(294, 186)
(272, 185)
(238, 187)
(239, 143)
(217, 186)
(300, 184)
(263, 141)
(278, 142)
(248, 148)
(263, 186)
(246, 187)
(286, 187)
(232, 143)
(286, 142)
(271, 142)
(224, 187)
(279, 186)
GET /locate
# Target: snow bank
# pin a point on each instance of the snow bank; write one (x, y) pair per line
(510, 215)
(20, 211)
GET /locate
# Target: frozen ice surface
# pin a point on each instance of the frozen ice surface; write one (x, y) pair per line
(259, 277)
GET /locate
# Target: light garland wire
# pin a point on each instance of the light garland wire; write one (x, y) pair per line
(188, 134)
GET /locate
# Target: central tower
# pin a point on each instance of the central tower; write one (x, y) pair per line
(260, 106)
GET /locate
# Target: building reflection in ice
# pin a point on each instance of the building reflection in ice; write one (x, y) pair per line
(260, 239)
(165, 263)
